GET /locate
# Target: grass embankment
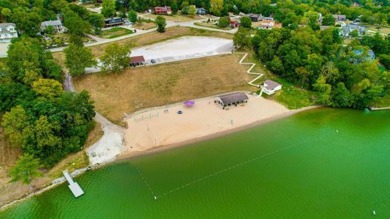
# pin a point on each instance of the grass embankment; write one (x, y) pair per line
(290, 96)
(143, 87)
(115, 32)
(151, 38)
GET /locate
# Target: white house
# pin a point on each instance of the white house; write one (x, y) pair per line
(270, 87)
(56, 24)
(7, 32)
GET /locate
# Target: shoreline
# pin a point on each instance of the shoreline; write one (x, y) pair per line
(126, 154)
(167, 147)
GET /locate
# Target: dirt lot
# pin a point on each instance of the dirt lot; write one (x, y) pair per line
(151, 38)
(144, 87)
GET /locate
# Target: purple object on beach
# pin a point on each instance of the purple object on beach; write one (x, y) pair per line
(189, 103)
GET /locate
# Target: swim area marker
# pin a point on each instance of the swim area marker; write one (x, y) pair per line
(223, 170)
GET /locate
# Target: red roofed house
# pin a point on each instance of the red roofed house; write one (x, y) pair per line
(234, 24)
(137, 60)
(163, 10)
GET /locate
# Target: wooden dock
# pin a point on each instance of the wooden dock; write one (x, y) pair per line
(73, 186)
(378, 108)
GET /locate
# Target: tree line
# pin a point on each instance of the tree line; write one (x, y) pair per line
(42, 119)
(343, 76)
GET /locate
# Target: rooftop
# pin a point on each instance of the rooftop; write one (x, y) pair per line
(233, 98)
(270, 85)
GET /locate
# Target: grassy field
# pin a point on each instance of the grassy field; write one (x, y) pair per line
(115, 32)
(151, 38)
(384, 30)
(211, 25)
(143, 87)
(144, 25)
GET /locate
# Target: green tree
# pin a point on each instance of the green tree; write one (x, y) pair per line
(6, 12)
(246, 22)
(15, 124)
(192, 10)
(47, 88)
(161, 23)
(324, 90)
(108, 8)
(174, 7)
(45, 133)
(115, 58)
(77, 27)
(216, 7)
(223, 22)
(97, 21)
(242, 38)
(78, 58)
(27, 22)
(328, 20)
(133, 16)
(25, 169)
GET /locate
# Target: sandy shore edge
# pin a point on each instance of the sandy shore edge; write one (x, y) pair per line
(161, 148)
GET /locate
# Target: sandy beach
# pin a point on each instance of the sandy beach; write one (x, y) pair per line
(162, 127)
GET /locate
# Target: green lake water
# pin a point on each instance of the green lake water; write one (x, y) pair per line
(322, 163)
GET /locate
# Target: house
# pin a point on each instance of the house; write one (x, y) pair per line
(56, 24)
(234, 24)
(270, 87)
(137, 60)
(166, 10)
(346, 30)
(255, 17)
(269, 24)
(268, 18)
(201, 11)
(114, 21)
(361, 57)
(339, 17)
(7, 32)
(232, 99)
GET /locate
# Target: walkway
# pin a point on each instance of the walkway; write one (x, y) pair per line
(259, 75)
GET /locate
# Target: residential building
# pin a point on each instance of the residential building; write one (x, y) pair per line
(346, 30)
(255, 17)
(201, 11)
(166, 10)
(269, 24)
(7, 32)
(270, 87)
(56, 24)
(339, 17)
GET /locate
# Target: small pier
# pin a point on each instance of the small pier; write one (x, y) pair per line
(378, 108)
(73, 186)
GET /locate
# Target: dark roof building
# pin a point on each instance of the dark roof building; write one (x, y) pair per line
(227, 100)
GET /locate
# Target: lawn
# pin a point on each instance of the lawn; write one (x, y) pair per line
(384, 30)
(115, 32)
(151, 38)
(292, 97)
(144, 25)
(211, 25)
(143, 87)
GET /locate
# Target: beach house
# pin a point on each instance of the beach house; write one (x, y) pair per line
(270, 87)
(232, 99)
(7, 32)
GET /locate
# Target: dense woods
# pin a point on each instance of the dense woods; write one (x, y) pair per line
(39, 116)
(343, 75)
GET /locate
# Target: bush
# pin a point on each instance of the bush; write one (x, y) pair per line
(223, 22)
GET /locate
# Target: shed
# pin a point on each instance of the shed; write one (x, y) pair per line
(270, 87)
(232, 99)
(137, 60)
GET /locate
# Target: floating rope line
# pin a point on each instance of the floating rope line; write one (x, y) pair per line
(146, 183)
(224, 170)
